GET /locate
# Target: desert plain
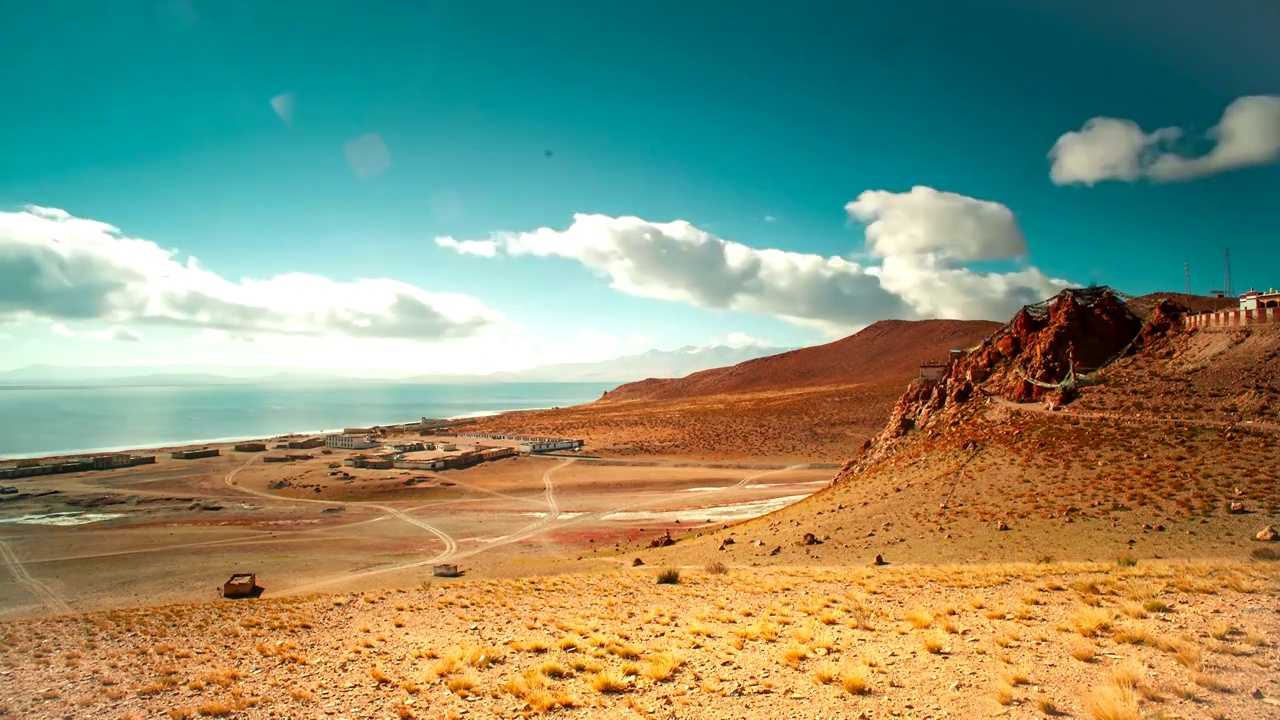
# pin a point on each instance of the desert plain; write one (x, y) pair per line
(839, 549)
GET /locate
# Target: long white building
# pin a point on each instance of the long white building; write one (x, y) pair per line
(350, 442)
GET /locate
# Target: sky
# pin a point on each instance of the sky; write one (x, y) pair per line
(479, 185)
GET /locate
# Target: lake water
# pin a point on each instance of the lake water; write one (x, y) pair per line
(48, 420)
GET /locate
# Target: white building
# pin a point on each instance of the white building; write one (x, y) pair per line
(350, 442)
(549, 445)
(1253, 299)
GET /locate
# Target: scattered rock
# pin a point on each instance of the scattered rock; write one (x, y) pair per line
(879, 560)
(810, 539)
(1235, 508)
(665, 540)
(1267, 534)
(1002, 526)
(775, 551)
(637, 562)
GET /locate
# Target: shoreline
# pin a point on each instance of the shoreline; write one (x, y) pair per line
(200, 442)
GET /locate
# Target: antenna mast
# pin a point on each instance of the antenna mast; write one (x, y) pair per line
(1186, 273)
(1227, 283)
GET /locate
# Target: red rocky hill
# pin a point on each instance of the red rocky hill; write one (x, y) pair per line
(887, 352)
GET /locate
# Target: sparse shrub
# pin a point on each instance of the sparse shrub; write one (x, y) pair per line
(669, 576)
(717, 568)
(1126, 560)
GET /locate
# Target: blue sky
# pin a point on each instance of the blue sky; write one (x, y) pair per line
(219, 130)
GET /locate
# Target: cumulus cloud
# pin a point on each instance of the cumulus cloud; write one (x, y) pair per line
(483, 248)
(1107, 148)
(926, 221)
(921, 238)
(63, 268)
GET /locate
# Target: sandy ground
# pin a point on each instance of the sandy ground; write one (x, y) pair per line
(174, 531)
(815, 424)
(1159, 639)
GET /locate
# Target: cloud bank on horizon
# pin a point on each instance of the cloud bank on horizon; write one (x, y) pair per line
(1107, 148)
(57, 267)
(922, 238)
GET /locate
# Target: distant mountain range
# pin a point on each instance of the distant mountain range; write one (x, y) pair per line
(652, 364)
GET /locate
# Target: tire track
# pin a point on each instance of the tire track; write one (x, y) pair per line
(450, 544)
(40, 590)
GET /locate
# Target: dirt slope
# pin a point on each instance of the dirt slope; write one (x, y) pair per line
(1143, 305)
(886, 352)
(1169, 451)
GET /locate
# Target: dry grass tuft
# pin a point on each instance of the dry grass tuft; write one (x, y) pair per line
(608, 681)
(1112, 703)
(856, 681)
(669, 576)
(919, 619)
(661, 666)
(1090, 621)
(1082, 650)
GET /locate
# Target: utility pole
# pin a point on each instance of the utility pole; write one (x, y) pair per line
(1186, 273)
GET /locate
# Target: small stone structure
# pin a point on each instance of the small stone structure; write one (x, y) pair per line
(240, 585)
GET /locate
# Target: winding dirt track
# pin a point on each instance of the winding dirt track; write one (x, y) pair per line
(450, 544)
(1036, 407)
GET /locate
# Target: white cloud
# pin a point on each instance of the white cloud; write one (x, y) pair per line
(920, 237)
(926, 221)
(483, 248)
(738, 339)
(62, 268)
(117, 333)
(770, 218)
(637, 339)
(1106, 148)
(63, 330)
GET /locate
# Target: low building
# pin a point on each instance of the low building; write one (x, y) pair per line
(932, 371)
(194, 454)
(107, 462)
(307, 444)
(350, 442)
(251, 447)
(1254, 300)
(549, 445)
(410, 447)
